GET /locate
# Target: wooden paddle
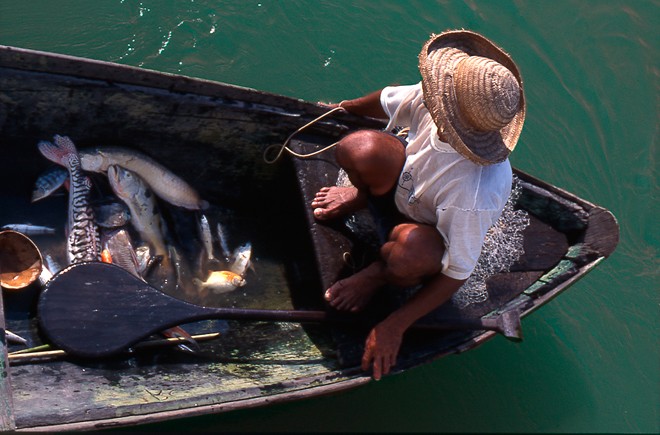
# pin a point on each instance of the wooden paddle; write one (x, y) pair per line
(95, 309)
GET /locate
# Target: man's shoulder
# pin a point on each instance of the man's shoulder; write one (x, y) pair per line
(472, 187)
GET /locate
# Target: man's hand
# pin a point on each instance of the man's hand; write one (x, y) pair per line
(384, 341)
(382, 348)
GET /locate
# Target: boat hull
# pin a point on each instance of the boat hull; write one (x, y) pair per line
(214, 136)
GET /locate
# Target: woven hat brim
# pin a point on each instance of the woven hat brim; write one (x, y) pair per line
(446, 51)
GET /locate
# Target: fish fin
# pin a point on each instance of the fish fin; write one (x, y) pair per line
(50, 151)
(59, 151)
(179, 332)
(65, 143)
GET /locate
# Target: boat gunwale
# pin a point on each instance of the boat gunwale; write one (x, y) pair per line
(36, 61)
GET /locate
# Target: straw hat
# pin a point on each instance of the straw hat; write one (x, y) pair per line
(474, 93)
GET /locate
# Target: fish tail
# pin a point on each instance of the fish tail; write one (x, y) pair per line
(59, 151)
(65, 143)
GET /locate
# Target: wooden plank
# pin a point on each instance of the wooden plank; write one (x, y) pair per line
(544, 247)
(6, 396)
(558, 211)
(602, 235)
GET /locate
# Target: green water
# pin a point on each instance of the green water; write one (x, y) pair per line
(590, 361)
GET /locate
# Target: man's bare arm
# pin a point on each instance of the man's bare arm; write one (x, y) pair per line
(369, 105)
(384, 341)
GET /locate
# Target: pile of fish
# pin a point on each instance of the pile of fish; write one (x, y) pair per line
(119, 221)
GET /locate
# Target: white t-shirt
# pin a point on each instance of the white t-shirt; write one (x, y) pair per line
(440, 187)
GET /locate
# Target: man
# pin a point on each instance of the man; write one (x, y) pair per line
(449, 179)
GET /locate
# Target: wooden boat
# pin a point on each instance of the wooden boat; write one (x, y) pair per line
(214, 135)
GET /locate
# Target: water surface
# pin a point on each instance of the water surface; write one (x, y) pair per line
(590, 359)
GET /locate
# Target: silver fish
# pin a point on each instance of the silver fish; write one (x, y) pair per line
(222, 240)
(162, 181)
(145, 218)
(14, 337)
(241, 259)
(183, 273)
(83, 242)
(29, 229)
(207, 238)
(145, 260)
(52, 265)
(48, 269)
(49, 181)
(45, 275)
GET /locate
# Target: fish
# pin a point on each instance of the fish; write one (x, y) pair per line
(112, 214)
(45, 275)
(178, 332)
(183, 272)
(220, 281)
(29, 229)
(222, 241)
(83, 240)
(120, 246)
(145, 260)
(51, 264)
(162, 181)
(241, 259)
(15, 338)
(49, 181)
(145, 217)
(207, 239)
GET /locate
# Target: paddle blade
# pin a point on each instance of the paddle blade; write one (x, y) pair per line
(98, 309)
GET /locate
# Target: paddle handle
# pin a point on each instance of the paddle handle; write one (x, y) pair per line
(97, 309)
(506, 323)
(299, 316)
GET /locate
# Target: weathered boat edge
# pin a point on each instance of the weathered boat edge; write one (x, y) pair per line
(603, 227)
(134, 420)
(63, 64)
(56, 63)
(6, 402)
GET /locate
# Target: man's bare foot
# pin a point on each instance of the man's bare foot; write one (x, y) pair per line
(355, 292)
(332, 202)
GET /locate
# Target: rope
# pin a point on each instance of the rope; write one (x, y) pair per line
(284, 146)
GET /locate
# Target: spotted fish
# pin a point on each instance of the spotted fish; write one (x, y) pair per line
(49, 181)
(147, 220)
(141, 202)
(83, 242)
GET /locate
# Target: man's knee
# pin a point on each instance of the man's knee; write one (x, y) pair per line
(362, 144)
(413, 252)
(372, 159)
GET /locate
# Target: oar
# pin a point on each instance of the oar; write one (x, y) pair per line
(98, 309)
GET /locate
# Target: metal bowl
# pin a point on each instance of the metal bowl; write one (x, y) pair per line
(20, 260)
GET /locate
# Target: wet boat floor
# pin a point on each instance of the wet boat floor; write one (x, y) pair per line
(246, 360)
